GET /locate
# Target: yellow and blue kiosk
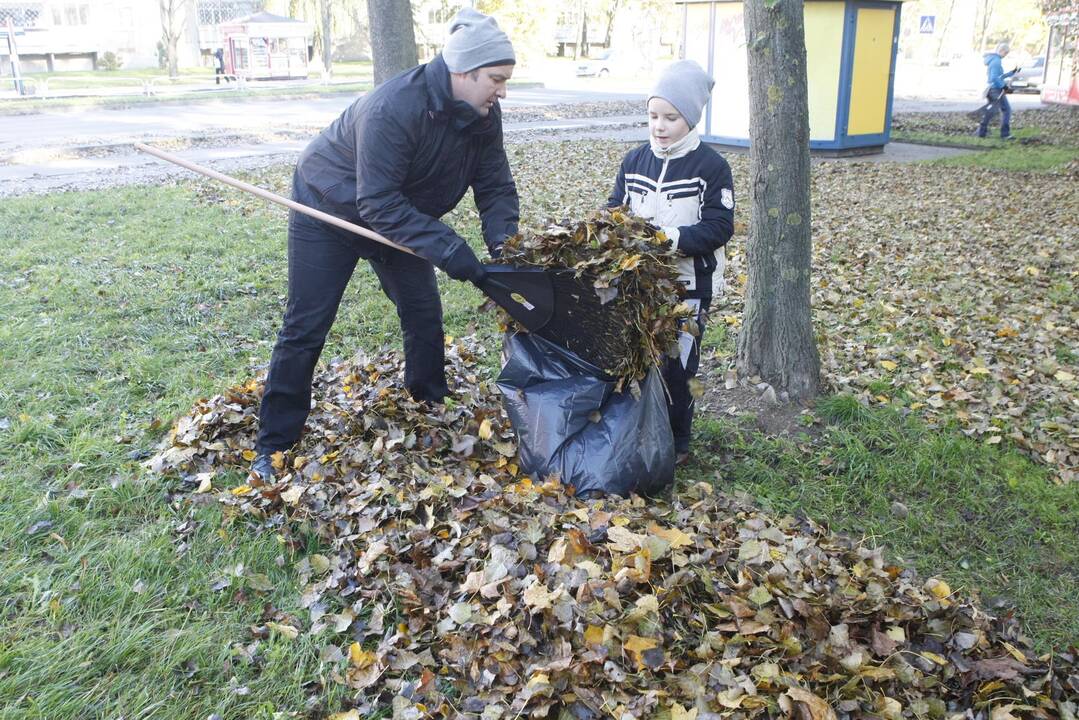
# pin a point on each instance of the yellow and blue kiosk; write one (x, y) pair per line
(850, 66)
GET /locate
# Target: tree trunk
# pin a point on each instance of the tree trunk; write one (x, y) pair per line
(987, 15)
(776, 341)
(171, 30)
(327, 37)
(944, 31)
(610, 23)
(393, 39)
(174, 60)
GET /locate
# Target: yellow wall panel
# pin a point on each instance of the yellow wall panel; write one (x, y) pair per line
(824, 54)
(872, 66)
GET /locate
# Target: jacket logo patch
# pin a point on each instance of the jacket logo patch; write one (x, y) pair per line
(727, 198)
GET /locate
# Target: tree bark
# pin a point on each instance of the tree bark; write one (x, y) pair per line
(171, 29)
(393, 38)
(327, 36)
(776, 340)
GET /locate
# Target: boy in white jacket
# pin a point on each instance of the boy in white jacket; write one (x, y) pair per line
(684, 187)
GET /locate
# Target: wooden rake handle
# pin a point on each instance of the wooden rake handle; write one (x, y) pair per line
(272, 197)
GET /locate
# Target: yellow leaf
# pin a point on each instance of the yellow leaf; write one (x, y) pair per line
(593, 635)
(248, 455)
(292, 495)
(818, 708)
(537, 597)
(1013, 652)
(623, 540)
(680, 713)
(889, 707)
(933, 657)
(241, 490)
(630, 262)
(285, 631)
(206, 482)
(888, 365)
(350, 715)
(1003, 712)
(1063, 376)
(674, 537)
(938, 588)
(360, 658)
(979, 371)
(637, 644)
(485, 429)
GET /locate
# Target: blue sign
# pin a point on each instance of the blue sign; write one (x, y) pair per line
(927, 24)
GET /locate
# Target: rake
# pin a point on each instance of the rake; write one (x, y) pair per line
(555, 304)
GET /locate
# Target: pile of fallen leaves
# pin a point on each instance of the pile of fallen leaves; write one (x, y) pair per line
(943, 292)
(452, 587)
(631, 295)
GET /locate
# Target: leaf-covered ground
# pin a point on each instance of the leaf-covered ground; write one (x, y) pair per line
(120, 598)
(937, 290)
(951, 292)
(456, 588)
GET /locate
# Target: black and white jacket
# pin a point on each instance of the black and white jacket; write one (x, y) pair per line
(687, 190)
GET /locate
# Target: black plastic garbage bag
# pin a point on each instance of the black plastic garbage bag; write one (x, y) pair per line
(570, 421)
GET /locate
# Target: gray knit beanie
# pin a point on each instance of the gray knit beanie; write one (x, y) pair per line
(687, 86)
(475, 41)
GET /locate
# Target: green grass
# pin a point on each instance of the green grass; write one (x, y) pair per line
(120, 309)
(118, 597)
(1025, 154)
(923, 137)
(1015, 156)
(985, 519)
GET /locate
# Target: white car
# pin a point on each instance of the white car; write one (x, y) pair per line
(1029, 77)
(599, 66)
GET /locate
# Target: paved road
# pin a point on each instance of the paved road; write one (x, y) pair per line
(100, 126)
(89, 148)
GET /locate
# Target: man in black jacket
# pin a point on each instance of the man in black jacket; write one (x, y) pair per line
(395, 161)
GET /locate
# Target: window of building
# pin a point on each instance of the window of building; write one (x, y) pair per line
(215, 12)
(20, 14)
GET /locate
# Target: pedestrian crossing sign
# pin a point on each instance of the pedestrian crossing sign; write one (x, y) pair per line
(927, 24)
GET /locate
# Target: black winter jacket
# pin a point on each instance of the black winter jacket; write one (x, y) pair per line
(403, 156)
(688, 191)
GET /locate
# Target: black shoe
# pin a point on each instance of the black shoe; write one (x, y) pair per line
(681, 458)
(262, 467)
(1008, 137)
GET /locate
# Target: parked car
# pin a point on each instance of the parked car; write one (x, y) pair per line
(599, 66)
(1029, 78)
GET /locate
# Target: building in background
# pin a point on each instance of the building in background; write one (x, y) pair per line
(850, 66)
(59, 35)
(264, 46)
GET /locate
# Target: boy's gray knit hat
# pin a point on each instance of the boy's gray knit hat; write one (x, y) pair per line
(687, 86)
(476, 41)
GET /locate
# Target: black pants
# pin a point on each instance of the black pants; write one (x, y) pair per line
(321, 260)
(681, 404)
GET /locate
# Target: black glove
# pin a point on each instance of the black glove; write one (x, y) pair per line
(462, 264)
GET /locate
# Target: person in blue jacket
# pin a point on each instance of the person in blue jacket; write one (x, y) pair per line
(997, 98)
(685, 188)
(395, 161)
